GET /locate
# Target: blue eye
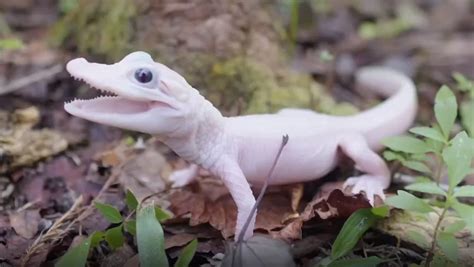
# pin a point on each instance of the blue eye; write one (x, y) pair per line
(143, 75)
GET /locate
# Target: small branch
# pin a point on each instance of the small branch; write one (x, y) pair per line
(429, 258)
(55, 233)
(284, 141)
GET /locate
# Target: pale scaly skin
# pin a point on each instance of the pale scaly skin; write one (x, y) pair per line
(240, 150)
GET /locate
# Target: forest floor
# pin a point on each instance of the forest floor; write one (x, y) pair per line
(58, 165)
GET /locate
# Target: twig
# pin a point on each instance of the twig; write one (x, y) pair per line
(110, 181)
(54, 233)
(240, 238)
(429, 258)
(87, 212)
(28, 205)
(73, 215)
(33, 78)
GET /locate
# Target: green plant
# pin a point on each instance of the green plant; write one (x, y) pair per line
(146, 228)
(11, 44)
(454, 154)
(466, 109)
(100, 28)
(66, 6)
(354, 228)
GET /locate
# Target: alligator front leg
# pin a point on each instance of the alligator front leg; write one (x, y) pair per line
(232, 176)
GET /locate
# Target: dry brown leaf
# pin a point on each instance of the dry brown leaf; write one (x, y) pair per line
(25, 222)
(133, 262)
(310, 244)
(118, 257)
(209, 204)
(111, 158)
(13, 247)
(336, 205)
(142, 174)
(296, 191)
(178, 240)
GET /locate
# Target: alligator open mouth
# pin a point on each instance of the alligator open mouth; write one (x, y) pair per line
(108, 104)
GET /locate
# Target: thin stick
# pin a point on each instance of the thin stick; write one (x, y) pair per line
(56, 232)
(284, 141)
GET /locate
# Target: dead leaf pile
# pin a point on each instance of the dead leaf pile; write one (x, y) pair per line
(334, 206)
(25, 222)
(211, 203)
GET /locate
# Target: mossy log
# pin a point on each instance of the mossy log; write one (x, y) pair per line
(235, 51)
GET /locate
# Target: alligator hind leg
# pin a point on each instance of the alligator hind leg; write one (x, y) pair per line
(377, 177)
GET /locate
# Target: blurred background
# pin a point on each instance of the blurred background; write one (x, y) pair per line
(247, 56)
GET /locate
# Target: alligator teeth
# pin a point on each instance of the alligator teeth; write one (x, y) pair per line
(104, 92)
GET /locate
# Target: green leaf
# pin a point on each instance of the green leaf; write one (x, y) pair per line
(428, 132)
(390, 156)
(131, 200)
(371, 261)
(355, 226)
(114, 237)
(382, 211)
(434, 146)
(420, 157)
(161, 215)
(11, 44)
(417, 238)
(447, 243)
(464, 191)
(417, 166)
(466, 213)
(407, 201)
(109, 212)
(407, 144)
(96, 238)
(467, 116)
(446, 109)
(67, 5)
(422, 179)
(458, 158)
(440, 260)
(187, 254)
(463, 83)
(150, 239)
(455, 227)
(426, 187)
(131, 226)
(76, 256)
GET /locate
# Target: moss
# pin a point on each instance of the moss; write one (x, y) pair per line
(243, 85)
(228, 83)
(299, 91)
(100, 28)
